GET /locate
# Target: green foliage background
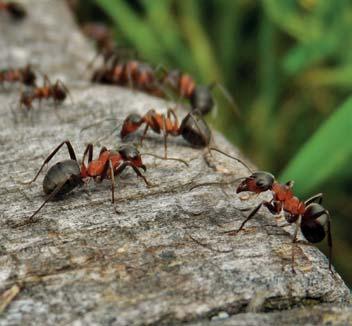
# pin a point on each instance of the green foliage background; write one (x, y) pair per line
(288, 64)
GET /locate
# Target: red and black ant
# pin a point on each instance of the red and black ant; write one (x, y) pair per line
(14, 9)
(57, 91)
(24, 75)
(193, 127)
(144, 77)
(66, 175)
(199, 96)
(132, 73)
(310, 217)
(185, 87)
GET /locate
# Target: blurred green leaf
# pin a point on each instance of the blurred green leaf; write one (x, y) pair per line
(330, 77)
(302, 57)
(200, 45)
(325, 153)
(226, 30)
(284, 14)
(138, 32)
(162, 20)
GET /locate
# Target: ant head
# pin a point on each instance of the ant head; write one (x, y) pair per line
(29, 76)
(195, 130)
(257, 182)
(314, 222)
(172, 78)
(131, 124)
(132, 154)
(16, 10)
(60, 92)
(202, 99)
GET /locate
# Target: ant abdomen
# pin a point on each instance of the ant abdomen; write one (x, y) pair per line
(314, 222)
(195, 130)
(202, 99)
(65, 172)
(16, 10)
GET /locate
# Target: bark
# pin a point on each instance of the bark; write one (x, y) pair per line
(158, 255)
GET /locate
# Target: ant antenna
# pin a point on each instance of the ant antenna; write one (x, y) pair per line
(216, 183)
(97, 124)
(234, 158)
(228, 97)
(167, 159)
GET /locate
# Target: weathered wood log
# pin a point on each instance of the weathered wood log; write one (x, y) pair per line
(158, 255)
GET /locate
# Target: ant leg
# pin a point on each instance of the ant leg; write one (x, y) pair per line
(254, 211)
(70, 151)
(144, 133)
(139, 174)
(89, 151)
(165, 136)
(315, 216)
(50, 197)
(112, 182)
(165, 145)
(171, 112)
(168, 159)
(294, 239)
(318, 197)
(329, 239)
(130, 80)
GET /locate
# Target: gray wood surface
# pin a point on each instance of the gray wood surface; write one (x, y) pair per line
(159, 255)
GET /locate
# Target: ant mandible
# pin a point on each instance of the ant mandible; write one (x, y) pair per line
(310, 216)
(66, 175)
(193, 127)
(24, 75)
(57, 91)
(14, 9)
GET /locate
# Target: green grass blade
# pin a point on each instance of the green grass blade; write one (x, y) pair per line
(199, 43)
(134, 28)
(162, 20)
(284, 14)
(326, 152)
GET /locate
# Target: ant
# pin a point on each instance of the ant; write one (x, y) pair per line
(66, 175)
(57, 91)
(132, 73)
(193, 127)
(24, 75)
(310, 216)
(184, 86)
(144, 77)
(14, 9)
(199, 96)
